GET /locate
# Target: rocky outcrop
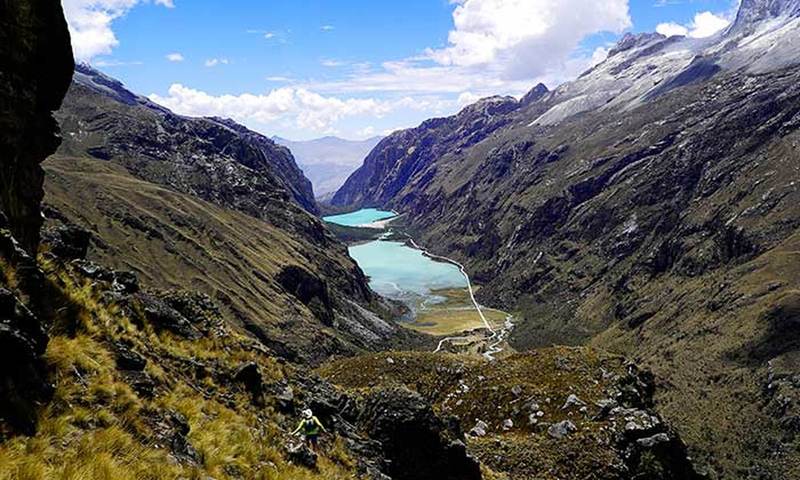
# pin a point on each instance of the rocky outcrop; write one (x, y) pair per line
(574, 413)
(414, 441)
(36, 63)
(215, 159)
(754, 11)
(35, 70)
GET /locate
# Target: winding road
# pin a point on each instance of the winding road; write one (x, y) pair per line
(498, 336)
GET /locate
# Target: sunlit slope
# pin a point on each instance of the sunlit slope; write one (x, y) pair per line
(173, 240)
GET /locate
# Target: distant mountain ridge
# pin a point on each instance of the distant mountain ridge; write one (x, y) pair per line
(328, 161)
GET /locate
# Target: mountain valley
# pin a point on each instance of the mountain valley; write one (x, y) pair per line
(172, 298)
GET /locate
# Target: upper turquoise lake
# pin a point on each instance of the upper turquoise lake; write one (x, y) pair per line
(396, 270)
(365, 216)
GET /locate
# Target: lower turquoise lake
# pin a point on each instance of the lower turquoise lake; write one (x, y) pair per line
(396, 270)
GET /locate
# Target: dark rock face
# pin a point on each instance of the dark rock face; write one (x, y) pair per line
(215, 159)
(416, 443)
(23, 382)
(310, 290)
(35, 70)
(68, 242)
(407, 154)
(250, 378)
(163, 316)
(36, 63)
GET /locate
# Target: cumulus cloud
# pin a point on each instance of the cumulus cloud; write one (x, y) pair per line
(526, 36)
(306, 109)
(327, 28)
(213, 62)
(90, 23)
(705, 24)
(175, 57)
(672, 29)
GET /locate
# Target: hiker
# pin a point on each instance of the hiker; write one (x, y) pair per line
(310, 427)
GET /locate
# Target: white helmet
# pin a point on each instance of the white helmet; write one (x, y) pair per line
(307, 413)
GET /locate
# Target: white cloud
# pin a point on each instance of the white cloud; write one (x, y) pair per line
(175, 57)
(116, 63)
(307, 109)
(366, 132)
(213, 62)
(90, 23)
(327, 28)
(467, 98)
(671, 29)
(278, 78)
(705, 24)
(526, 37)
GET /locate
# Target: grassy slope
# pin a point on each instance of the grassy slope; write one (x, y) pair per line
(172, 240)
(98, 428)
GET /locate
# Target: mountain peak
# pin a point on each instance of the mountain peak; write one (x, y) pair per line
(88, 76)
(754, 11)
(631, 40)
(534, 94)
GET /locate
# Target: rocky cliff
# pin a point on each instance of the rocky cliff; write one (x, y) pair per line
(650, 206)
(215, 159)
(35, 70)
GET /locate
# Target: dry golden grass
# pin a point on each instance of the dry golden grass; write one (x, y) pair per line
(455, 314)
(96, 427)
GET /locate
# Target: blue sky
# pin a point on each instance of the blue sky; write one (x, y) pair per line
(355, 68)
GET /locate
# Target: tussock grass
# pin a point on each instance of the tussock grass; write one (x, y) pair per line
(98, 428)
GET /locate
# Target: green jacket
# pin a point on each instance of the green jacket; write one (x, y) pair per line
(309, 426)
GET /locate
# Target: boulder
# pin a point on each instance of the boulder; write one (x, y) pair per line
(140, 382)
(171, 430)
(127, 359)
(164, 317)
(561, 429)
(68, 242)
(416, 443)
(480, 429)
(573, 401)
(125, 282)
(249, 376)
(299, 454)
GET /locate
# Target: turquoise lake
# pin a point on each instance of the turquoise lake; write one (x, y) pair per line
(364, 216)
(396, 270)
